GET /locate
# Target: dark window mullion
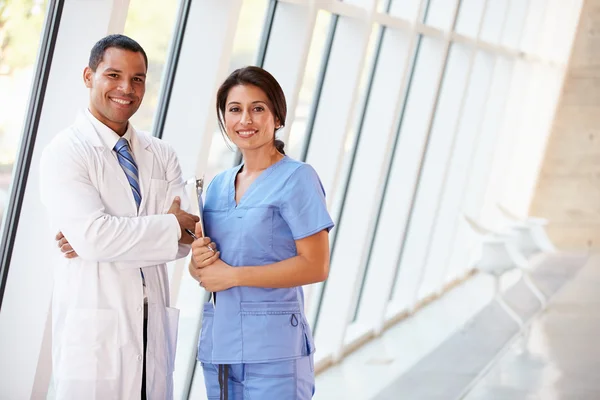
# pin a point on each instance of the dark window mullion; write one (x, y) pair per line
(319, 88)
(171, 68)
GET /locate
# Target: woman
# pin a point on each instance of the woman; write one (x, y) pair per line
(269, 220)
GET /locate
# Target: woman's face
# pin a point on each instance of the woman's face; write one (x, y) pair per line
(249, 122)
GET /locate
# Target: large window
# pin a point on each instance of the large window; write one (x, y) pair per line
(20, 27)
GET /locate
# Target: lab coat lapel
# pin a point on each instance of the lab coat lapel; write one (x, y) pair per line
(144, 158)
(85, 126)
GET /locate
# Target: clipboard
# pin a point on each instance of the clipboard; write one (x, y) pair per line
(199, 185)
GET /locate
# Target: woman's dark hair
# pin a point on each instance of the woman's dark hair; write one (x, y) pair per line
(118, 41)
(263, 80)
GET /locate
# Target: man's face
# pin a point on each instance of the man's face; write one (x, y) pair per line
(117, 87)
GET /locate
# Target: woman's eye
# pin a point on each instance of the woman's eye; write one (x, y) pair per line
(113, 75)
(234, 109)
(259, 109)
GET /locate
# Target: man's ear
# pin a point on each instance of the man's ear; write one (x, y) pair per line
(88, 76)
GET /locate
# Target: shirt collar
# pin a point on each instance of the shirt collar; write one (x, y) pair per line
(107, 135)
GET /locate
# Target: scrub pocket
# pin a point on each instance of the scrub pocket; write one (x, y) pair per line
(256, 233)
(89, 348)
(205, 344)
(272, 331)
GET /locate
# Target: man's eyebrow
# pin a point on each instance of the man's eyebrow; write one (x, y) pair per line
(119, 71)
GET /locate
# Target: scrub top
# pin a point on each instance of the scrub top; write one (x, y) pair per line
(286, 202)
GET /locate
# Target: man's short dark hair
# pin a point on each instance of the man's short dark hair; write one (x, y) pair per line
(117, 41)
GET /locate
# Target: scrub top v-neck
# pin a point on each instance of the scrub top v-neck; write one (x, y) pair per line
(286, 202)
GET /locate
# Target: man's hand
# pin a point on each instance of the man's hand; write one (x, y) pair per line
(65, 246)
(185, 220)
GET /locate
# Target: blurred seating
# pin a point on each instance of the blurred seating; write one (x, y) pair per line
(503, 251)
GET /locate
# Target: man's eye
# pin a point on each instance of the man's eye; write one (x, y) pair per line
(113, 75)
(140, 80)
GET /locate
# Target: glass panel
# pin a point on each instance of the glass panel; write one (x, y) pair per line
(440, 13)
(490, 129)
(493, 21)
(447, 251)
(392, 42)
(412, 139)
(435, 165)
(350, 142)
(513, 27)
(469, 16)
(353, 239)
(21, 23)
(248, 35)
(382, 5)
(530, 38)
(150, 23)
(406, 9)
(309, 84)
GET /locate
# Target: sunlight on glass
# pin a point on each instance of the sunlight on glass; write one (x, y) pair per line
(309, 84)
(20, 27)
(406, 9)
(151, 23)
(359, 108)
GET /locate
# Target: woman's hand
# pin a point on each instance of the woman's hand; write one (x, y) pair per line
(204, 252)
(65, 246)
(216, 277)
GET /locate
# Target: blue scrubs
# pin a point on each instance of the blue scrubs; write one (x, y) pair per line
(261, 333)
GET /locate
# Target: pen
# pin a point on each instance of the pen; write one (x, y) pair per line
(189, 232)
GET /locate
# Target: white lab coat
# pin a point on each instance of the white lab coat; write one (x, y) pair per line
(97, 305)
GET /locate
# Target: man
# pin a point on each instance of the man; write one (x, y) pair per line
(107, 187)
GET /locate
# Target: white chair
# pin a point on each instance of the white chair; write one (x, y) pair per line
(499, 255)
(531, 232)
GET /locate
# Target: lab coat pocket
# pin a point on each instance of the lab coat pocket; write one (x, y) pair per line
(172, 328)
(89, 348)
(157, 197)
(272, 331)
(205, 344)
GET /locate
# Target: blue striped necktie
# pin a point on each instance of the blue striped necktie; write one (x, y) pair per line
(130, 168)
(131, 172)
